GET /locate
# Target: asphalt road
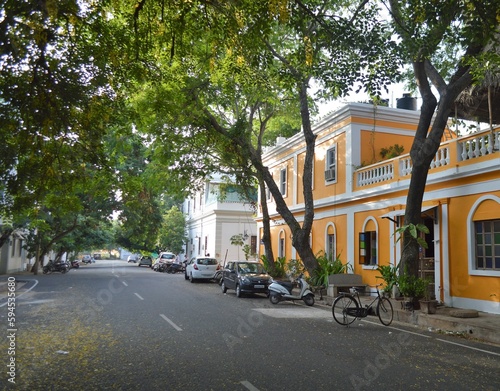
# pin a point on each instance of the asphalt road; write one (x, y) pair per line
(116, 326)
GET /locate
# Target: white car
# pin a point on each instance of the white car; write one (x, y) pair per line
(201, 268)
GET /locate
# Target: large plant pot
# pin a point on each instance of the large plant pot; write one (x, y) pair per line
(395, 292)
(428, 306)
(411, 303)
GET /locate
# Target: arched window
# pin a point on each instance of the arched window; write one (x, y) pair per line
(330, 248)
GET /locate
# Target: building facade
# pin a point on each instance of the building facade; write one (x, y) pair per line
(360, 199)
(13, 257)
(213, 222)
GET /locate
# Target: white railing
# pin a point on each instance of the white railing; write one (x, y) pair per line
(478, 146)
(376, 174)
(450, 153)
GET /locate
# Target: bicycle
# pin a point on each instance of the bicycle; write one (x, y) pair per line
(347, 307)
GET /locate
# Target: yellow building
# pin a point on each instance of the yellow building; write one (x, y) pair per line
(360, 199)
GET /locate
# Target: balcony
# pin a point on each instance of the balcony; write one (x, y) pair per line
(461, 152)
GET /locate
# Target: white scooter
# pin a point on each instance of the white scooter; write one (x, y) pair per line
(282, 290)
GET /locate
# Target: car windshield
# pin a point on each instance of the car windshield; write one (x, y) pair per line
(168, 256)
(207, 261)
(251, 268)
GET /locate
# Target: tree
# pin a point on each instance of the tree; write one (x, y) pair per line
(172, 235)
(445, 42)
(218, 65)
(55, 105)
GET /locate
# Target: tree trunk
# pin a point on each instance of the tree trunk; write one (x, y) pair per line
(266, 226)
(425, 146)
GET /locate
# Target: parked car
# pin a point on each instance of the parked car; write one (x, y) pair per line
(165, 257)
(245, 277)
(145, 260)
(87, 258)
(201, 268)
(132, 258)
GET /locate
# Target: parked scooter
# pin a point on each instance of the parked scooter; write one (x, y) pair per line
(174, 268)
(283, 290)
(74, 264)
(52, 266)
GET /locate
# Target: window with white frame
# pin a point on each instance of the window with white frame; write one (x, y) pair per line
(331, 164)
(368, 248)
(283, 181)
(487, 243)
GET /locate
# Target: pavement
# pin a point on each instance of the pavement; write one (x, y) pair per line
(450, 321)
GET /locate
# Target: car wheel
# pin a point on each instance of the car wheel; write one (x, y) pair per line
(238, 290)
(223, 287)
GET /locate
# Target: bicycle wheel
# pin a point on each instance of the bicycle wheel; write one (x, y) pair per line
(340, 308)
(385, 311)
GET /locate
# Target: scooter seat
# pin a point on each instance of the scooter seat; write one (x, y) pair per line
(288, 285)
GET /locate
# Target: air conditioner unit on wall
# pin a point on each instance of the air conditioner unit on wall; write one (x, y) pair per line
(330, 174)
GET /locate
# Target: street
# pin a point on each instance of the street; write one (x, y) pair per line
(114, 325)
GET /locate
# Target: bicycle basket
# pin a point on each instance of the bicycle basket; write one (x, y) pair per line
(357, 312)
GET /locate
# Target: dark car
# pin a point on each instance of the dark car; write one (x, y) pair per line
(245, 277)
(145, 260)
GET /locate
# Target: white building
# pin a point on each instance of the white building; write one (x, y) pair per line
(12, 255)
(212, 222)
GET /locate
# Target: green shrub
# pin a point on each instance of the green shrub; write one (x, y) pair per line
(327, 267)
(389, 274)
(275, 269)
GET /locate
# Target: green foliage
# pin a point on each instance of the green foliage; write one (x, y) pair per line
(173, 231)
(389, 274)
(412, 286)
(392, 151)
(413, 230)
(276, 269)
(237, 240)
(327, 267)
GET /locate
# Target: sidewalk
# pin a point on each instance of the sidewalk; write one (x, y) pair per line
(446, 320)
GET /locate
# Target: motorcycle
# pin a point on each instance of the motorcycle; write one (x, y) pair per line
(173, 268)
(283, 290)
(74, 264)
(52, 266)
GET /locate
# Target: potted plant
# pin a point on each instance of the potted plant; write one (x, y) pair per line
(428, 304)
(389, 274)
(413, 289)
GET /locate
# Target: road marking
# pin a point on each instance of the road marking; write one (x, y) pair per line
(468, 347)
(437, 339)
(295, 312)
(22, 293)
(171, 323)
(249, 385)
(124, 283)
(35, 301)
(139, 296)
